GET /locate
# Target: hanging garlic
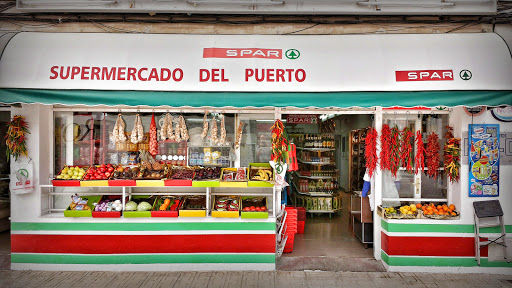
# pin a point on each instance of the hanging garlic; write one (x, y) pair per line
(184, 131)
(140, 129)
(122, 135)
(239, 134)
(177, 132)
(222, 140)
(115, 133)
(134, 131)
(205, 125)
(163, 129)
(170, 134)
(213, 136)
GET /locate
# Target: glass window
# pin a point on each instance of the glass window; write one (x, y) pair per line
(256, 144)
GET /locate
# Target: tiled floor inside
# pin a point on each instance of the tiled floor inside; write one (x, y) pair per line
(330, 236)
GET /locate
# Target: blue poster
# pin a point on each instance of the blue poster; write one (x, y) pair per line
(484, 160)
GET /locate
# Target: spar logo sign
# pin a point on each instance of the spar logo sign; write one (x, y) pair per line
(263, 53)
(424, 75)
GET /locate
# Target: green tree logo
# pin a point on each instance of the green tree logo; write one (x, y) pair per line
(465, 75)
(292, 54)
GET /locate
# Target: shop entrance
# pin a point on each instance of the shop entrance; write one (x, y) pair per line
(337, 232)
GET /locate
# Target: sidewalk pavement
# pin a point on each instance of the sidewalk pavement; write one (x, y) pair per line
(249, 279)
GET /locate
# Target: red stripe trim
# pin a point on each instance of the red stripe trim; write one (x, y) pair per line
(121, 244)
(430, 246)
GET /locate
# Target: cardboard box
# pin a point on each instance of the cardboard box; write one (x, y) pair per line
(253, 214)
(82, 213)
(225, 214)
(193, 212)
(232, 183)
(259, 183)
(155, 212)
(68, 183)
(110, 214)
(136, 214)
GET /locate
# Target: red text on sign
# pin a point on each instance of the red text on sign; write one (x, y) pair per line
(115, 73)
(213, 75)
(424, 75)
(242, 53)
(275, 75)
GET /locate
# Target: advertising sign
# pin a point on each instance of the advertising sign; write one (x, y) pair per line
(302, 119)
(484, 160)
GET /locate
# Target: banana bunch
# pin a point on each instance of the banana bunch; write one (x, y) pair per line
(263, 175)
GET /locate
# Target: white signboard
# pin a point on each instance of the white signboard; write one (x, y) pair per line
(412, 62)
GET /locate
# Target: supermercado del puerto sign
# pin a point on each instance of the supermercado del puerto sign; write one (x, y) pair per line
(256, 63)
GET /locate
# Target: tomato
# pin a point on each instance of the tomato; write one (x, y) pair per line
(247, 209)
(258, 209)
(263, 208)
(253, 208)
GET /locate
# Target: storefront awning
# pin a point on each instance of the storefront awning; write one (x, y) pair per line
(247, 99)
(256, 70)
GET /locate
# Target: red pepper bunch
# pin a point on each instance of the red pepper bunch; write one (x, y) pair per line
(395, 151)
(420, 153)
(385, 142)
(451, 155)
(16, 136)
(370, 153)
(279, 142)
(433, 157)
(406, 150)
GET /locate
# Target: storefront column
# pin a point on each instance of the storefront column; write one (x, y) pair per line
(377, 189)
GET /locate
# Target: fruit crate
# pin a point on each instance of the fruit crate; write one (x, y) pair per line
(188, 206)
(253, 171)
(185, 174)
(171, 211)
(225, 214)
(137, 199)
(247, 202)
(82, 213)
(107, 214)
(208, 180)
(118, 179)
(68, 182)
(241, 183)
(107, 171)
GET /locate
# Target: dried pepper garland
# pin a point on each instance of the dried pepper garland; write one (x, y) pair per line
(451, 155)
(420, 153)
(385, 142)
(16, 136)
(370, 153)
(433, 157)
(395, 151)
(406, 150)
(279, 142)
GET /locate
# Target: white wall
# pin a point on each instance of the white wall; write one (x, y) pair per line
(460, 120)
(27, 207)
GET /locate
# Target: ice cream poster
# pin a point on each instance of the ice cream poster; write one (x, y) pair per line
(484, 160)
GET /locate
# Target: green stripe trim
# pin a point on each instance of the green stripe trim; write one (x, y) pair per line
(440, 228)
(141, 259)
(258, 99)
(178, 226)
(441, 262)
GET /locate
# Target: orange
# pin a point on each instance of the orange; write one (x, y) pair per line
(418, 205)
(453, 214)
(439, 207)
(450, 210)
(430, 209)
(452, 207)
(445, 208)
(431, 205)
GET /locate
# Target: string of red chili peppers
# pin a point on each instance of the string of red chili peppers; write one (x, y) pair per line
(406, 150)
(16, 136)
(395, 151)
(451, 155)
(370, 153)
(385, 142)
(420, 153)
(433, 157)
(279, 142)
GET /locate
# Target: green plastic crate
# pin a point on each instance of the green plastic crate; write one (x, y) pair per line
(83, 213)
(139, 214)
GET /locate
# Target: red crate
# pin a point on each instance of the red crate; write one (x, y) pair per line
(178, 182)
(288, 247)
(300, 227)
(122, 182)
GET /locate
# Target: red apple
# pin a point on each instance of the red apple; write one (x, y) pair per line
(103, 166)
(109, 165)
(107, 174)
(110, 169)
(98, 177)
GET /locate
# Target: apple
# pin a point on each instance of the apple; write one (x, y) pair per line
(103, 166)
(98, 177)
(107, 174)
(87, 177)
(110, 169)
(103, 169)
(109, 165)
